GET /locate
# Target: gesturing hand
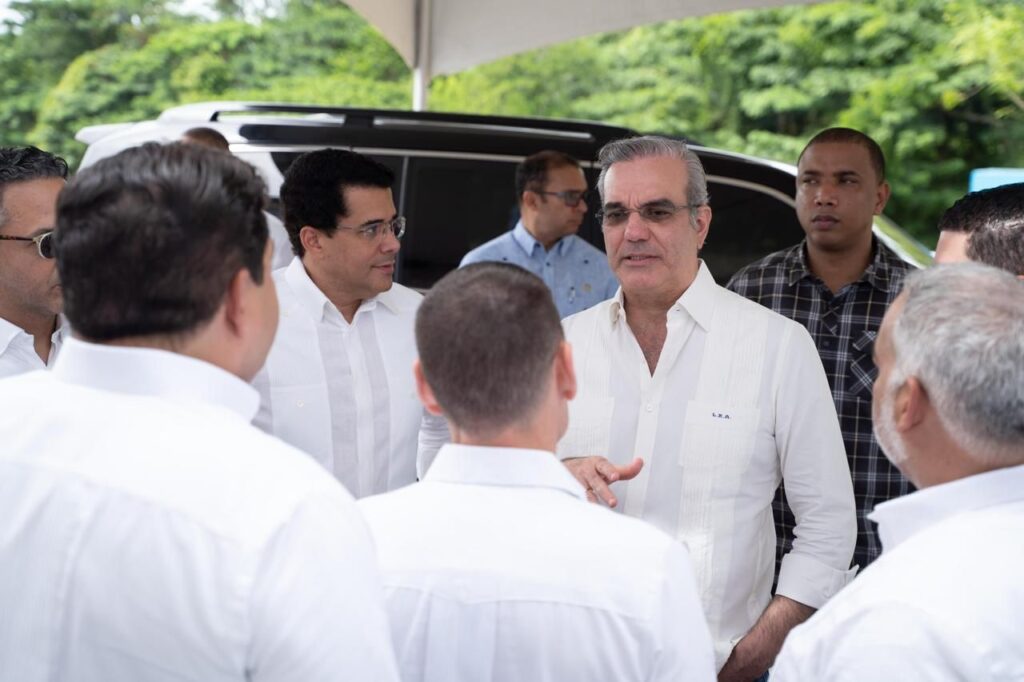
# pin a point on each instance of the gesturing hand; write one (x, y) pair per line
(596, 473)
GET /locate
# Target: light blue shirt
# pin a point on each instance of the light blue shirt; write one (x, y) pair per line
(576, 272)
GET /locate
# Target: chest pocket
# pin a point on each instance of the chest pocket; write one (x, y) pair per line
(862, 366)
(718, 443)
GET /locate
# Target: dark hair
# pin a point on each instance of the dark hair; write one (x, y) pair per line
(995, 220)
(147, 241)
(313, 189)
(487, 334)
(208, 137)
(21, 164)
(850, 136)
(532, 172)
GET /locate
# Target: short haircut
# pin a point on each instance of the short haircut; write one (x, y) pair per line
(208, 137)
(994, 219)
(147, 241)
(850, 136)
(21, 164)
(649, 146)
(961, 333)
(487, 335)
(532, 172)
(313, 189)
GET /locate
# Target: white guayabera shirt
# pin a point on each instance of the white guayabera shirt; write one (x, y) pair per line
(944, 600)
(344, 393)
(149, 532)
(739, 401)
(496, 568)
(17, 349)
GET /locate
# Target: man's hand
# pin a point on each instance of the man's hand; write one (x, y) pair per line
(596, 473)
(756, 652)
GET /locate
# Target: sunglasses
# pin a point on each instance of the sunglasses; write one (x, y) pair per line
(44, 243)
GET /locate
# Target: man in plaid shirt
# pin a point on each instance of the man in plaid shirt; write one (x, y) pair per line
(838, 282)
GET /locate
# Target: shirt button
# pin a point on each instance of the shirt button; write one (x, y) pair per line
(649, 407)
(300, 403)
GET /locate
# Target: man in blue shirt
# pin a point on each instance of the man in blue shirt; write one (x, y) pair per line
(551, 191)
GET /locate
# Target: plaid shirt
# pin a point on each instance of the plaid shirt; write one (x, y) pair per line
(843, 327)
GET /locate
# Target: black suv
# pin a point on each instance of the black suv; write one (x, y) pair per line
(455, 174)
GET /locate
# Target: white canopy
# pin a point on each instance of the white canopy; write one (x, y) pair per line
(444, 36)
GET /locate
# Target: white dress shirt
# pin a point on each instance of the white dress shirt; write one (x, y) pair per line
(738, 402)
(944, 601)
(18, 351)
(496, 568)
(344, 392)
(283, 253)
(149, 532)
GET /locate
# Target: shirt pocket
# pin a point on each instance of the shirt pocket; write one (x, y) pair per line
(590, 426)
(718, 444)
(862, 366)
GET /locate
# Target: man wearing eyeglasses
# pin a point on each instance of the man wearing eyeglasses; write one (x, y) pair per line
(338, 382)
(551, 191)
(694, 403)
(30, 296)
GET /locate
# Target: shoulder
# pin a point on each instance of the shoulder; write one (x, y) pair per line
(491, 250)
(584, 321)
(401, 299)
(750, 275)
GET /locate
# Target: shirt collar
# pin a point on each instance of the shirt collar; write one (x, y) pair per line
(10, 331)
(877, 274)
(903, 517)
(698, 300)
(316, 302)
(529, 244)
(132, 370)
(507, 467)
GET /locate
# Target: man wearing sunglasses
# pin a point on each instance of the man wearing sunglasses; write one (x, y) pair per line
(552, 194)
(338, 383)
(30, 296)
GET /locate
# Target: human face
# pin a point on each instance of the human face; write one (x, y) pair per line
(554, 220)
(838, 193)
(355, 267)
(653, 262)
(883, 393)
(952, 247)
(29, 289)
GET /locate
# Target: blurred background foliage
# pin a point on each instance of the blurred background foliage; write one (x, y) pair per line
(939, 83)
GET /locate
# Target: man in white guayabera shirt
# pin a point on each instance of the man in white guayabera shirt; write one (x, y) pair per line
(944, 600)
(338, 381)
(494, 565)
(147, 530)
(31, 331)
(705, 401)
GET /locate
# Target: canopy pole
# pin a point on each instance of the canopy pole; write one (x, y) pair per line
(421, 75)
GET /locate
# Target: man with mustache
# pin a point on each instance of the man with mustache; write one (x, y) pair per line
(30, 296)
(943, 601)
(338, 382)
(838, 282)
(720, 397)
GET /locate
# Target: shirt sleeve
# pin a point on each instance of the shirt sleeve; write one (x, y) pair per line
(317, 608)
(433, 434)
(685, 651)
(816, 477)
(885, 642)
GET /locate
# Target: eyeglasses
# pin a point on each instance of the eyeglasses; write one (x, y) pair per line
(656, 212)
(44, 243)
(570, 197)
(375, 230)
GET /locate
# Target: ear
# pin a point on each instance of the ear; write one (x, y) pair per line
(424, 391)
(912, 405)
(565, 373)
(703, 219)
(529, 200)
(882, 197)
(310, 238)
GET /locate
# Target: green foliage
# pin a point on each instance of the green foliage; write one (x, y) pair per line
(937, 82)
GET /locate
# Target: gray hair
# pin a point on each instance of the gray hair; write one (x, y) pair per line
(648, 146)
(961, 334)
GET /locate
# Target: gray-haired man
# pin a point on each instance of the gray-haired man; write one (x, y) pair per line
(943, 602)
(721, 396)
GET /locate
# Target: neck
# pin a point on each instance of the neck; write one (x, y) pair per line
(39, 326)
(346, 303)
(839, 268)
(531, 436)
(547, 241)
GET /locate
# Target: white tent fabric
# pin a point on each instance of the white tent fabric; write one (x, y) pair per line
(445, 36)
